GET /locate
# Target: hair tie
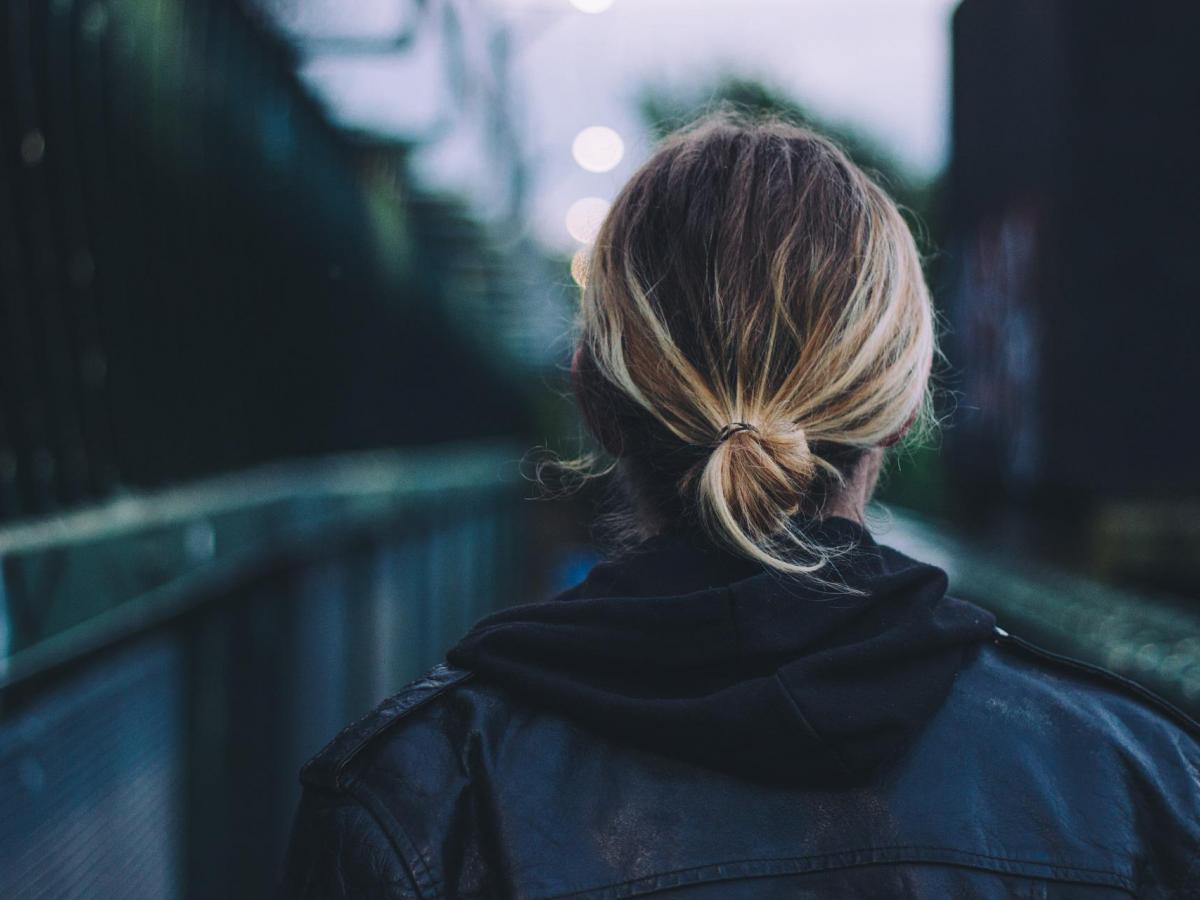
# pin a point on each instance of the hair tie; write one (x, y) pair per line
(734, 428)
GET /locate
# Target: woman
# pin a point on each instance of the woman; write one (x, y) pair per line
(758, 700)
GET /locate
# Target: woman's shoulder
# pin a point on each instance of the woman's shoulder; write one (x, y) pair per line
(372, 795)
(1085, 742)
(334, 766)
(1084, 696)
(1056, 758)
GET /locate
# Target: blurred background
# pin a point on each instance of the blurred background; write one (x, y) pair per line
(286, 291)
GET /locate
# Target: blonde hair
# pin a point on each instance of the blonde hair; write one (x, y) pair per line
(754, 317)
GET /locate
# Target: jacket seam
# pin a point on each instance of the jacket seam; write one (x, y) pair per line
(426, 884)
(347, 757)
(801, 865)
(1147, 696)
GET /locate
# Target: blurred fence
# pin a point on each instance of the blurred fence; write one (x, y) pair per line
(174, 658)
(1153, 638)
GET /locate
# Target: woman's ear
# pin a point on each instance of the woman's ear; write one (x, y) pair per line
(899, 434)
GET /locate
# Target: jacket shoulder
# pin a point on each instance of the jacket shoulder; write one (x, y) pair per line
(1124, 697)
(327, 769)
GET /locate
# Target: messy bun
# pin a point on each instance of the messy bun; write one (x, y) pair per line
(754, 318)
(749, 507)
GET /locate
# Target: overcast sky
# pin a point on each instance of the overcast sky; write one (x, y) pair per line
(881, 65)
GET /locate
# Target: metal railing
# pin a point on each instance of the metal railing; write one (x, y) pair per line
(197, 645)
(173, 658)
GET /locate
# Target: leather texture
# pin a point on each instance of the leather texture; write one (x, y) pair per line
(1037, 777)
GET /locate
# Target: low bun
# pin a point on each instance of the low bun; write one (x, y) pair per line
(754, 481)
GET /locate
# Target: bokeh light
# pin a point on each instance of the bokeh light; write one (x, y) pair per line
(584, 218)
(598, 148)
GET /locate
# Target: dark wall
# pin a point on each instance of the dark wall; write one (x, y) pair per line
(1075, 207)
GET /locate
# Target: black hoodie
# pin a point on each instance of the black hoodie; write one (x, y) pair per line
(709, 657)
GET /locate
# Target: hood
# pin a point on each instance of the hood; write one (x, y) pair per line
(702, 655)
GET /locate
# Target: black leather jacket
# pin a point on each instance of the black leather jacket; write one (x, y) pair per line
(1013, 772)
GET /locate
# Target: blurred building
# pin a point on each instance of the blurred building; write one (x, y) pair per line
(1075, 205)
(206, 268)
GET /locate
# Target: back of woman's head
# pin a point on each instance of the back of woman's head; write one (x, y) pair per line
(754, 318)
